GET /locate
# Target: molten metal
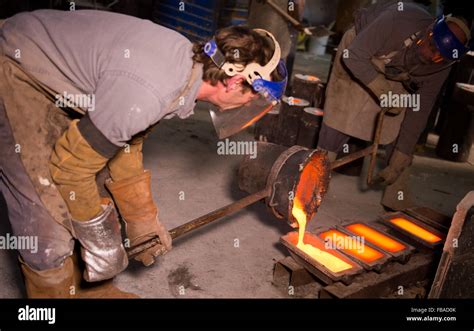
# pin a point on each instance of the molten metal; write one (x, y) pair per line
(375, 237)
(415, 230)
(310, 78)
(328, 260)
(362, 252)
(297, 101)
(312, 185)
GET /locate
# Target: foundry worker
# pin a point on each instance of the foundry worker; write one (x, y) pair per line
(395, 52)
(79, 92)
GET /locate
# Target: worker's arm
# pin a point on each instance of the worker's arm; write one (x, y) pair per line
(130, 184)
(367, 43)
(123, 108)
(74, 164)
(411, 128)
(362, 52)
(415, 121)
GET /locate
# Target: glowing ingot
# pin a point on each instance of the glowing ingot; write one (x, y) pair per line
(375, 237)
(415, 230)
(363, 253)
(328, 260)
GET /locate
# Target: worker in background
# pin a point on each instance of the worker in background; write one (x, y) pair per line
(79, 91)
(394, 50)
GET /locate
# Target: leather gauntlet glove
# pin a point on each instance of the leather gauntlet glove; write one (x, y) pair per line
(398, 162)
(136, 206)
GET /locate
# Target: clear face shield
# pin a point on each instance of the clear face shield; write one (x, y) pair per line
(230, 121)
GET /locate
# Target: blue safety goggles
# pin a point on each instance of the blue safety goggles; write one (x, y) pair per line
(272, 90)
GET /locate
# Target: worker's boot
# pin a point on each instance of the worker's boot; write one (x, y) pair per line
(50, 283)
(94, 290)
(396, 196)
(66, 281)
(134, 201)
(103, 290)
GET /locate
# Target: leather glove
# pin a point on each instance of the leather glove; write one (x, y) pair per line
(398, 162)
(136, 206)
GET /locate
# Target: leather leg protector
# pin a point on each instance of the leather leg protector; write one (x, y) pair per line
(140, 214)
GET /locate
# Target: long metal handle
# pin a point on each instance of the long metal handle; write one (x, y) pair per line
(251, 199)
(352, 157)
(232, 208)
(203, 220)
(373, 155)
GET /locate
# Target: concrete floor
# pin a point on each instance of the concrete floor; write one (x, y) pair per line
(234, 257)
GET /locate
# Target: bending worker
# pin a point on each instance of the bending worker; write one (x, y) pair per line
(124, 75)
(394, 52)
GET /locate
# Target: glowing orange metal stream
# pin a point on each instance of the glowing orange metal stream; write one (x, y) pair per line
(333, 263)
